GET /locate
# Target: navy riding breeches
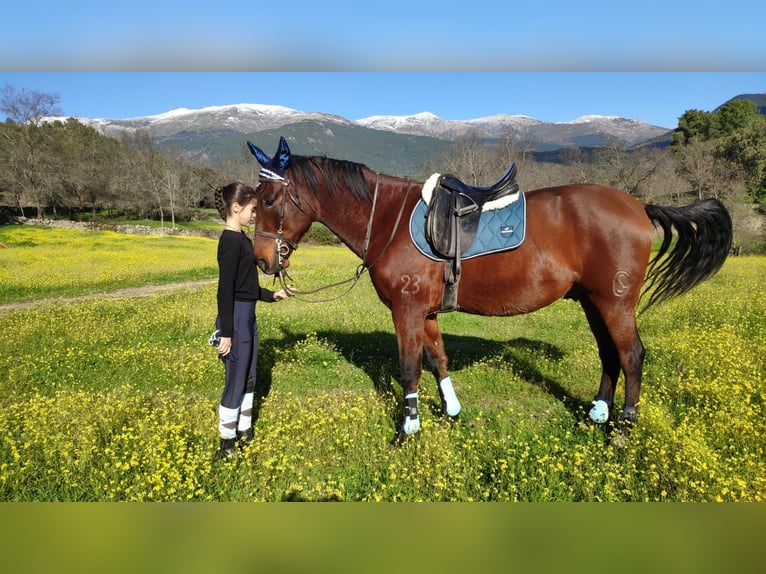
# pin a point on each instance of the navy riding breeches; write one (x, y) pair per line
(242, 360)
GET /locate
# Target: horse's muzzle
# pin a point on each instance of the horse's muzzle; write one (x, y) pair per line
(274, 267)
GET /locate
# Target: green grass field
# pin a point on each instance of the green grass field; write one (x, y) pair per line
(115, 398)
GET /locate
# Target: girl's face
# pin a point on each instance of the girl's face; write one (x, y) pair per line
(246, 214)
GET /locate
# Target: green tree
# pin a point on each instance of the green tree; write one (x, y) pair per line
(712, 149)
(746, 148)
(693, 124)
(734, 115)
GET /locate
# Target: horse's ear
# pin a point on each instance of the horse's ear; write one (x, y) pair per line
(282, 157)
(262, 158)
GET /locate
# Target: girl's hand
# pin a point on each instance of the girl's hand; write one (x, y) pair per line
(284, 293)
(224, 346)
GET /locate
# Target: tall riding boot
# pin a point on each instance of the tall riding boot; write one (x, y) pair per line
(228, 448)
(244, 437)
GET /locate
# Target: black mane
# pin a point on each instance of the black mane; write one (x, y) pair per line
(337, 174)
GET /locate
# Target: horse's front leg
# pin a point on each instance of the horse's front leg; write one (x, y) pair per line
(409, 337)
(437, 361)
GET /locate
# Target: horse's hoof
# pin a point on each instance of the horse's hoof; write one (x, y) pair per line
(455, 413)
(599, 414)
(629, 415)
(451, 418)
(399, 439)
(452, 411)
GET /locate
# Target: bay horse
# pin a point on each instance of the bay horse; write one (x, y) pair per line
(585, 242)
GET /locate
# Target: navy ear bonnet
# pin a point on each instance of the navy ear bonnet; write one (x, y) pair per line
(273, 167)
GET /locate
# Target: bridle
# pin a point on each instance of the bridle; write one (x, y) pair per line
(283, 245)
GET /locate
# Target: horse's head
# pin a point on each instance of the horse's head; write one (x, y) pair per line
(280, 219)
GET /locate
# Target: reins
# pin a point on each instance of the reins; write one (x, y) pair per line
(361, 268)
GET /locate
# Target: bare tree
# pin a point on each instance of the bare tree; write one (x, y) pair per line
(24, 135)
(85, 165)
(577, 161)
(469, 160)
(152, 172)
(630, 170)
(697, 164)
(199, 183)
(28, 106)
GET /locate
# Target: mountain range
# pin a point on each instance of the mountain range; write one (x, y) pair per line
(393, 144)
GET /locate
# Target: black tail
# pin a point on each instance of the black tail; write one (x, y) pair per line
(704, 239)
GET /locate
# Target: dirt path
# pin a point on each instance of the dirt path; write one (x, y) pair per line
(119, 293)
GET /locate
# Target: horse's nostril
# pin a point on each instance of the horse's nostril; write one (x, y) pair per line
(264, 266)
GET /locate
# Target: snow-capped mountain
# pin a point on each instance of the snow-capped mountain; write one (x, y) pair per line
(522, 127)
(428, 124)
(254, 118)
(422, 124)
(242, 118)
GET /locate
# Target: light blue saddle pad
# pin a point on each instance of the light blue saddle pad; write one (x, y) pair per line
(498, 230)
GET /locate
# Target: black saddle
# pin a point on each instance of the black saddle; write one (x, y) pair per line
(506, 185)
(453, 214)
(452, 221)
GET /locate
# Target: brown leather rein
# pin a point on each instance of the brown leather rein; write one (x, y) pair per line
(283, 245)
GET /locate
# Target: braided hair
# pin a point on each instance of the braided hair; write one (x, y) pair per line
(227, 195)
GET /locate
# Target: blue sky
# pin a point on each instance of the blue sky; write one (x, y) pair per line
(649, 61)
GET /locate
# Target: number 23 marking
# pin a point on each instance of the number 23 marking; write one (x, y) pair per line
(411, 284)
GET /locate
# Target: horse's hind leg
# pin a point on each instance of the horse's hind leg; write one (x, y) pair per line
(633, 365)
(437, 362)
(610, 362)
(619, 347)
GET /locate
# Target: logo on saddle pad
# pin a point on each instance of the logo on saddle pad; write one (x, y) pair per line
(454, 220)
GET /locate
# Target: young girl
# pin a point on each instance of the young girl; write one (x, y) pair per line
(238, 291)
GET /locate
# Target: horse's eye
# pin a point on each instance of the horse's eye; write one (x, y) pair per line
(269, 201)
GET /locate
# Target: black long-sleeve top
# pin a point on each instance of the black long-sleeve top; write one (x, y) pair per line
(237, 277)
